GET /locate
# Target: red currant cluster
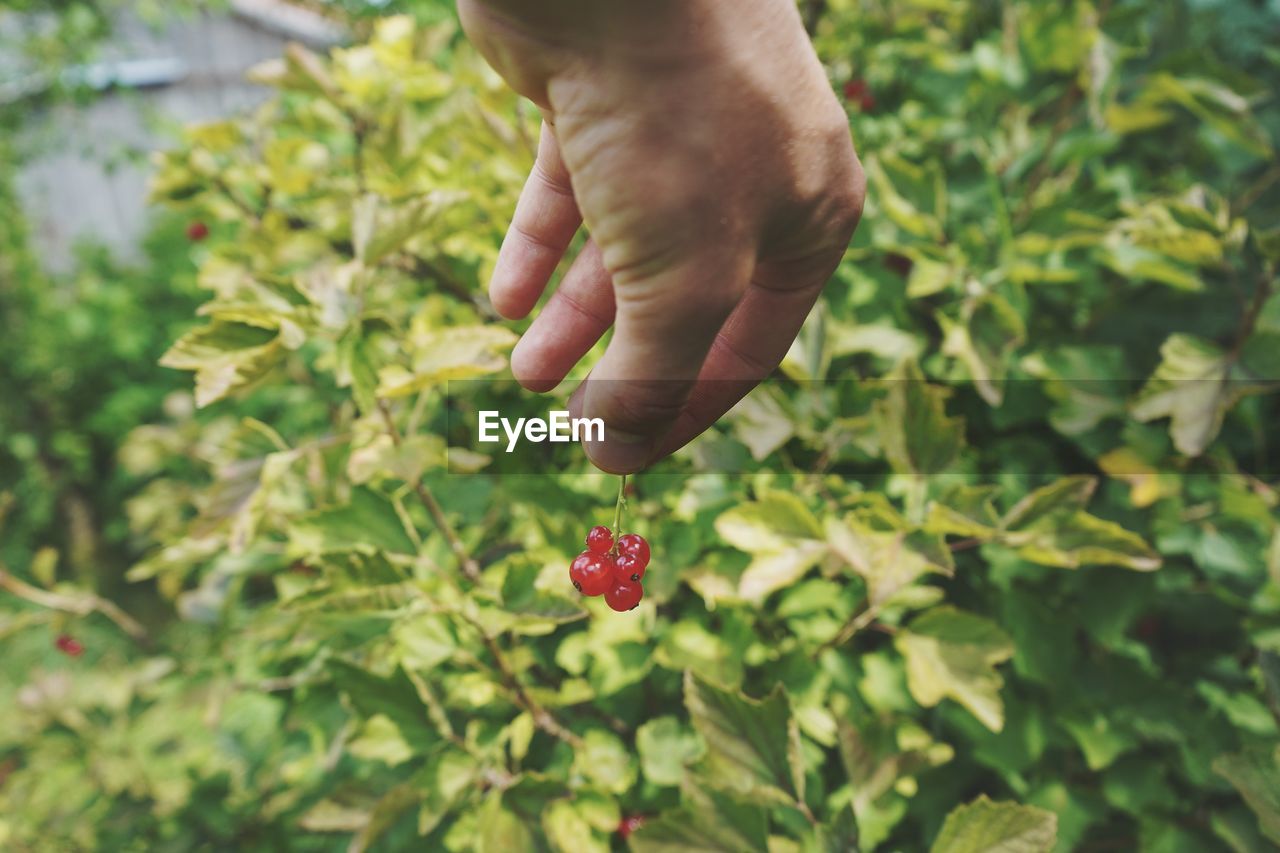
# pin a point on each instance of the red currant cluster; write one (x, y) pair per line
(611, 569)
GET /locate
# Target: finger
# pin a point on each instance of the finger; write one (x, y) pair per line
(664, 327)
(544, 223)
(751, 345)
(578, 313)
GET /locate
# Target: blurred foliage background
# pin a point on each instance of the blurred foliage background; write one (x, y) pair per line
(1001, 565)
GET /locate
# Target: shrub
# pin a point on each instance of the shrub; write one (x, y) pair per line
(998, 565)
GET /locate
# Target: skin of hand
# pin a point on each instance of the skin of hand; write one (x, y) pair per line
(702, 146)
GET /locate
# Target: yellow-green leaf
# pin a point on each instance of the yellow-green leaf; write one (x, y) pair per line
(984, 826)
(953, 654)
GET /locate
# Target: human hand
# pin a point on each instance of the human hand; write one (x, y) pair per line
(702, 146)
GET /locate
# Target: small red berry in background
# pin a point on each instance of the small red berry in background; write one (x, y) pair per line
(69, 645)
(629, 824)
(197, 231)
(600, 539)
(857, 91)
(624, 596)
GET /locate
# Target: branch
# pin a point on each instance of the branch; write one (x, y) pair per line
(469, 566)
(81, 604)
(542, 718)
(860, 619)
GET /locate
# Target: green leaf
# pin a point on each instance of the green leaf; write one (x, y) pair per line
(917, 435)
(606, 761)
(459, 352)
(964, 511)
(778, 520)
(1215, 104)
(1081, 540)
(783, 537)
(984, 826)
(355, 369)
(501, 831)
(1142, 264)
(710, 822)
(878, 753)
(953, 654)
(381, 227)
(889, 561)
(520, 596)
(666, 747)
(424, 640)
(393, 696)
(567, 829)
(225, 356)
(840, 835)
(983, 339)
(367, 524)
(379, 739)
(753, 746)
(898, 209)
(1256, 775)
(389, 809)
(1191, 388)
(1060, 498)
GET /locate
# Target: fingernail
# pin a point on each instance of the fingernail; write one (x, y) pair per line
(621, 452)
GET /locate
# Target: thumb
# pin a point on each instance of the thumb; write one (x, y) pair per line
(666, 322)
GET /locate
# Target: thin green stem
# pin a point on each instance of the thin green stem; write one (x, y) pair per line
(617, 508)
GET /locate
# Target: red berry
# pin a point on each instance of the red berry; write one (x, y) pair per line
(600, 539)
(635, 545)
(629, 568)
(197, 231)
(591, 574)
(630, 824)
(856, 90)
(69, 645)
(624, 596)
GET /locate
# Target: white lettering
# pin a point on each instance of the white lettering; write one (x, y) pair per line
(593, 427)
(513, 435)
(488, 427)
(558, 428)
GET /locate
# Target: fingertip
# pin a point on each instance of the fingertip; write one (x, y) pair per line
(531, 365)
(620, 453)
(511, 298)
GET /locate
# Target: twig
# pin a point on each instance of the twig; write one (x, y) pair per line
(420, 267)
(617, 508)
(81, 604)
(1062, 120)
(1256, 190)
(1249, 321)
(496, 778)
(468, 565)
(542, 718)
(860, 619)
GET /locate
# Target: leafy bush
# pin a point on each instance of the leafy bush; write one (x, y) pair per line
(999, 567)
